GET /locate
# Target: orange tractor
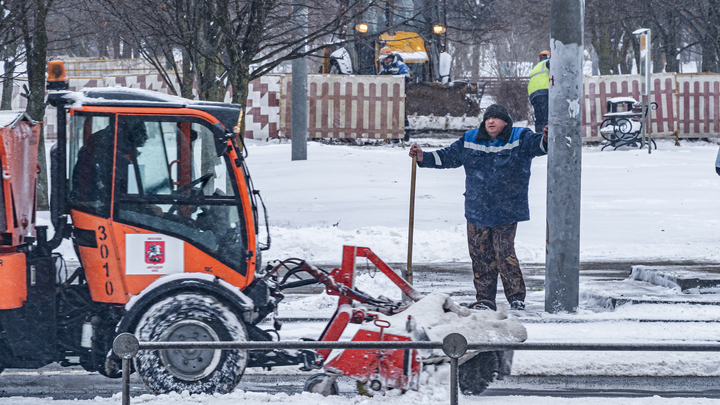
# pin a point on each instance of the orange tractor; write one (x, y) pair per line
(162, 213)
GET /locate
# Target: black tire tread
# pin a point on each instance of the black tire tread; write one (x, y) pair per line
(476, 374)
(199, 307)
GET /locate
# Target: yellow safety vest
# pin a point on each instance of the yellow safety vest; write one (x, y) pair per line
(539, 78)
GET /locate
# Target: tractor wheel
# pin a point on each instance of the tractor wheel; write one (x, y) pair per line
(322, 384)
(478, 372)
(190, 318)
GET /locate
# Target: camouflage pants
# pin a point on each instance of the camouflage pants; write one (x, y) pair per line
(492, 250)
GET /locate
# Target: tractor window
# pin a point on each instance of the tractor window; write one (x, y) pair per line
(91, 145)
(171, 180)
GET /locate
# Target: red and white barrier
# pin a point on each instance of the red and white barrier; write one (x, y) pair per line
(349, 106)
(262, 112)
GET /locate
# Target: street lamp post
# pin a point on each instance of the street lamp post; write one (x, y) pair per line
(645, 70)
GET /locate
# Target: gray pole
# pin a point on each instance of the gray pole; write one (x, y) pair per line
(562, 266)
(648, 90)
(299, 93)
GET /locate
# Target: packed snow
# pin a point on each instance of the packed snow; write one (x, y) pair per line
(635, 207)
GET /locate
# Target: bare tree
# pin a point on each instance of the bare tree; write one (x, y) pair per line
(702, 18)
(223, 43)
(11, 49)
(35, 39)
(605, 26)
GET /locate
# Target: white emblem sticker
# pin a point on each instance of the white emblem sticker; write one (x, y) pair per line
(153, 254)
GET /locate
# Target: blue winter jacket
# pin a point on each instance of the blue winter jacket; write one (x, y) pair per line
(396, 68)
(497, 172)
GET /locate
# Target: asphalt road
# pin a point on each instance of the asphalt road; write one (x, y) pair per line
(453, 278)
(71, 383)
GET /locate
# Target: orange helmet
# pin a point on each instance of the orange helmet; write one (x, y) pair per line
(385, 52)
(544, 55)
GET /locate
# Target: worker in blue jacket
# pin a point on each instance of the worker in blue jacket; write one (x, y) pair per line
(392, 64)
(496, 158)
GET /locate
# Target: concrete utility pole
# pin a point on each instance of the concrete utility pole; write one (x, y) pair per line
(562, 265)
(299, 91)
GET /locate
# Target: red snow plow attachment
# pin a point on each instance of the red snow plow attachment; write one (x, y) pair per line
(381, 319)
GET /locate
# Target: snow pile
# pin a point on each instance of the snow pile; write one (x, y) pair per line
(431, 122)
(318, 244)
(652, 276)
(437, 315)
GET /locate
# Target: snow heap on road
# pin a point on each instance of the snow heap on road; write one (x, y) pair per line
(436, 315)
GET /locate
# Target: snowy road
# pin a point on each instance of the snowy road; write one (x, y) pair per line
(76, 384)
(566, 374)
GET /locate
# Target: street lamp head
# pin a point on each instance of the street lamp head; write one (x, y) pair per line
(361, 28)
(641, 31)
(438, 29)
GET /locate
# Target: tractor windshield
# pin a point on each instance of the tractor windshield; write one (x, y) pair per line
(169, 179)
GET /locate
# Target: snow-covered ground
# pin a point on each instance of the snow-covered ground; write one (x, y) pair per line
(635, 206)
(424, 397)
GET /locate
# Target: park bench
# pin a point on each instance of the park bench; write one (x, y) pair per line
(622, 124)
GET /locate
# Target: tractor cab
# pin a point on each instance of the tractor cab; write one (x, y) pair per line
(157, 186)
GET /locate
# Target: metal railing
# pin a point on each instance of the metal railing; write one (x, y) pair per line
(126, 346)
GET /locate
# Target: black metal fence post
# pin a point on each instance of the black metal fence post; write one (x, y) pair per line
(126, 346)
(125, 381)
(455, 346)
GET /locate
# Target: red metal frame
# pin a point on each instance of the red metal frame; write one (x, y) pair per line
(390, 368)
(366, 252)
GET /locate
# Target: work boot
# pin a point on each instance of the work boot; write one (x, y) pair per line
(481, 305)
(518, 305)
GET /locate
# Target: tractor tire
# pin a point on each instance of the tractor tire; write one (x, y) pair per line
(190, 317)
(321, 384)
(477, 373)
